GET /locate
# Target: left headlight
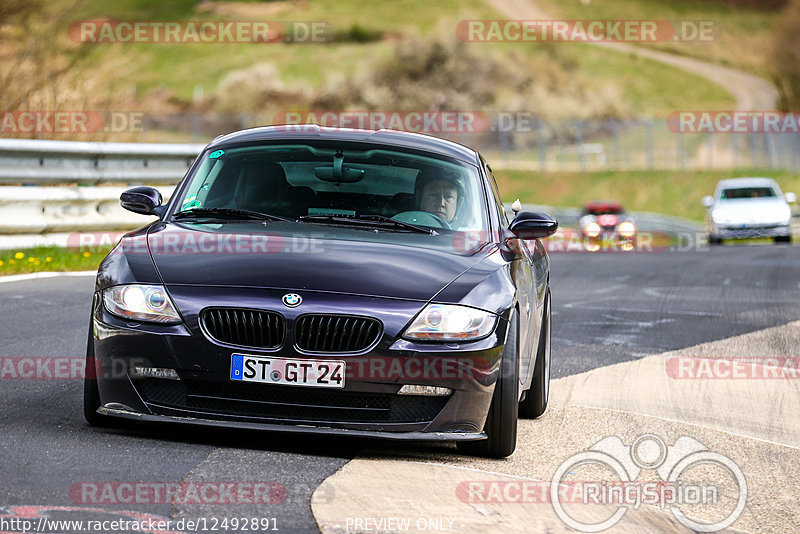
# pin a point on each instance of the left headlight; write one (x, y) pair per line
(721, 217)
(450, 322)
(592, 229)
(141, 302)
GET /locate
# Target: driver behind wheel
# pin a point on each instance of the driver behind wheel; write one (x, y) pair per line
(439, 195)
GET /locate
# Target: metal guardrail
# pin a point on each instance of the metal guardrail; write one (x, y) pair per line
(35, 162)
(43, 193)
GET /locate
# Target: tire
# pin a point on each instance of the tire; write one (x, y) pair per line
(535, 402)
(501, 422)
(783, 239)
(714, 240)
(91, 394)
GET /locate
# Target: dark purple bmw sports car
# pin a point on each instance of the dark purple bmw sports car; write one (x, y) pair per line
(332, 281)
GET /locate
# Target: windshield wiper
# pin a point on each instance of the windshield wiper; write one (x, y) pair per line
(369, 221)
(229, 213)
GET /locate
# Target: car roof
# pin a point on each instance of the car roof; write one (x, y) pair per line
(733, 183)
(603, 204)
(390, 138)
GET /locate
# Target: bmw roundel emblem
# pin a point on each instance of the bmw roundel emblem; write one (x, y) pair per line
(292, 300)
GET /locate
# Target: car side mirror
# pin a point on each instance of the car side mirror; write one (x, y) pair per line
(708, 201)
(143, 200)
(530, 225)
(791, 198)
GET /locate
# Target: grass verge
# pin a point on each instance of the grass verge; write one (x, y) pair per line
(42, 259)
(677, 193)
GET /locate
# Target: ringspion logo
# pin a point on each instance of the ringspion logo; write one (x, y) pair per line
(684, 469)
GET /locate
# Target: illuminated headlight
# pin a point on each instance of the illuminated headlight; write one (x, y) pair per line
(449, 322)
(592, 229)
(627, 229)
(141, 303)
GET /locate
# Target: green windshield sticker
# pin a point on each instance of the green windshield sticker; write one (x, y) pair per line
(216, 153)
(193, 204)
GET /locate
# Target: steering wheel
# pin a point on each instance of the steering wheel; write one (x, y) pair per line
(423, 218)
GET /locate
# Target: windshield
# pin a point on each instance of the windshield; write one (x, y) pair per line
(331, 185)
(603, 210)
(739, 193)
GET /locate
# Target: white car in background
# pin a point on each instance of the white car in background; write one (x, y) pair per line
(743, 208)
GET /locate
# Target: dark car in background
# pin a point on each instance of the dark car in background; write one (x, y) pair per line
(327, 281)
(607, 221)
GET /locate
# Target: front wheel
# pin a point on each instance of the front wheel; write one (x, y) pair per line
(783, 239)
(501, 422)
(535, 402)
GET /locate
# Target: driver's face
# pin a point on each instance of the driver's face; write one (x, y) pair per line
(440, 198)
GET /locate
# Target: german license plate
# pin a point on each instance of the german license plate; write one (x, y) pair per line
(288, 372)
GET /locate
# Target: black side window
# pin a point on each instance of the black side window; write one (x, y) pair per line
(496, 194)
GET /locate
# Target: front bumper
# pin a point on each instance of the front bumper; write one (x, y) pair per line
(293, 429)
(368, 405)
(751, 231)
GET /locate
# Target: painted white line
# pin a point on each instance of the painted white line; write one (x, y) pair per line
(669, 420)
(34, 276)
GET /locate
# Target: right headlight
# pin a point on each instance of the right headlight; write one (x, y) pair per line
(141, 302)
(627, 229)
(450, 322)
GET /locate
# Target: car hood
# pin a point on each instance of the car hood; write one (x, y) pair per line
(754, 210)
(280, 259)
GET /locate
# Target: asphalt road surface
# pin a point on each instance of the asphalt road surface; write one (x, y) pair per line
(608, 308)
